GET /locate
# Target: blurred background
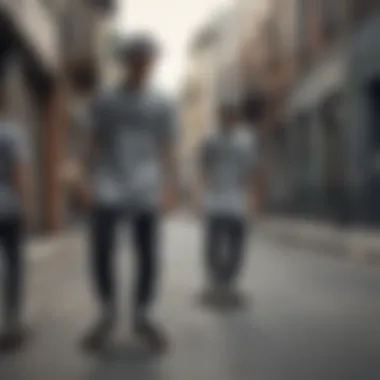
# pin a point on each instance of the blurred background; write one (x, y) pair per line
(308, 75)
(311, 66)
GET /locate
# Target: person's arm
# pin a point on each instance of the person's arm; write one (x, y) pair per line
(22, 176)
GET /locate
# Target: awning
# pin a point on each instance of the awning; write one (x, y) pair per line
(325, 78)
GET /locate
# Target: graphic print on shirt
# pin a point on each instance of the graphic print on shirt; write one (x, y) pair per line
(226, 169)
(138, 167)
(130, 127)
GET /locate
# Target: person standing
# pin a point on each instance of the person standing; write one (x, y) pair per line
(228, 160)
(132, 176)
(15, 214)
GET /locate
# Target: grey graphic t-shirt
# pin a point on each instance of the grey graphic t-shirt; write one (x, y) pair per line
(13, 151)
(227, 161)
(130, 129)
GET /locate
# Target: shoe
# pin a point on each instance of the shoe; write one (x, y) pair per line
(13, 337)
(152, 334)
(98, 335)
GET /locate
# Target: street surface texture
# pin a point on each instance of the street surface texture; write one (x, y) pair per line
(306, 317)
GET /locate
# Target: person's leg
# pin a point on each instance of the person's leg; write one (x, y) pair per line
(236, 236)
(102, 244)
(11, 238)
(12, 241)
(213, 247)
(145, 236)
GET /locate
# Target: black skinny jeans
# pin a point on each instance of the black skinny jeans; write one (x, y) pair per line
(103, 239)
(225, 240)
(11, 247)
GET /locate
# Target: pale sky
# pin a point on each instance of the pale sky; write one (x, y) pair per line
(174, 23)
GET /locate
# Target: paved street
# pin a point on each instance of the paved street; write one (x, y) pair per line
(307, 317)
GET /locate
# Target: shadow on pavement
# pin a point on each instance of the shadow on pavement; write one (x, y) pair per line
(127, 358)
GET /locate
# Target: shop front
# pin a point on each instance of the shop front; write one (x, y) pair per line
(317, 139)
(364, 120)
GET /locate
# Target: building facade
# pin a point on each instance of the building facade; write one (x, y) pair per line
(319, 70)
(314, 135)
(53, 59)
(30, 58)
(332, 112)
(214, 75)
(362, 105)
(197, 116)
(269, 66)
